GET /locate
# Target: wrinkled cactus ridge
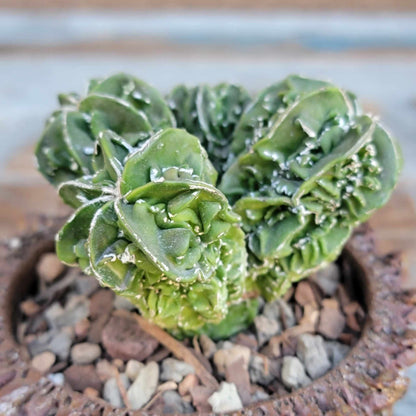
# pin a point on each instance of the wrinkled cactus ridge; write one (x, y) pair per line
(211, 114)
(317, 169)
(121, 103)
(298, 168)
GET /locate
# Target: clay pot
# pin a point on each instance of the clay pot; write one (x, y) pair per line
(367, 381)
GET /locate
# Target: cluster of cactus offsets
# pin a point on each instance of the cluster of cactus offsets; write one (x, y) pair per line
(298, 167)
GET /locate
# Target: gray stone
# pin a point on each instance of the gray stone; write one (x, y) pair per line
(111, 392)
(208, 346)
(311, 350)
(58, 342)
(85, 353)
(53, 313)
(230, 353)
(175, 370)
(133, 368)
(288, 316)
(259, 395)
(77, 308)
(266, 328)
(143, 388)
(57, 378)
(262, 370)
(336, 351)
(121, 302)
(85, 285)
(327, 279)
(226, 399)
(280, 311)
(271, 310)
(175, 404)
(293, 373)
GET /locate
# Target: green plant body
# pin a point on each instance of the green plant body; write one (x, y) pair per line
(298, 167)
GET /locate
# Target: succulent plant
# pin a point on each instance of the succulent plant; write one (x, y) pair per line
(311, 167)
(211, 114)
(164, 236)
(299, 167)
(121, 103)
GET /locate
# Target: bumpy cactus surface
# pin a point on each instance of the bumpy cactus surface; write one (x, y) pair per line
(299, 167)
(311, 167)
(211, 114)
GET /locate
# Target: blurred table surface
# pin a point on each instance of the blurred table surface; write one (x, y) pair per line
(45, 52)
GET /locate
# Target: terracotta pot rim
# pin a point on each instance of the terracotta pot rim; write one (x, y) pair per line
(365, 382)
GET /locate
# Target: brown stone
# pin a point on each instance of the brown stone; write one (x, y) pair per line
(101, 303)
(249, 341)
(200, 396)
(105, 370)
(43, 361)
(123, 338)
(304, 294)
(49, 267)
(96, 329)
(331, 320)
(237, 373)
(91, 393)
(29, 307)
(82, 328)
(80, 377)
(187, 384)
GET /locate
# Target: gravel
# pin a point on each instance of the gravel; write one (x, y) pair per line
(87, 338)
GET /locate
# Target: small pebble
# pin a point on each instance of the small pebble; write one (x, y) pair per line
(133, 368)
(174, 403)
(91, 393)
(85, 353)
(85, 285)
(293, 373)
(328, 279)
(29, 307)
(57, 378)
(311, 350)
(111, 392)
(145, 385)
(49, 267)
(123, 338)
(79, 377)
(226, 399)
(101, 303)
(226, 356)
(175, 370)
(105, 370)
(44, 361)
(82, 328)
(266, 328)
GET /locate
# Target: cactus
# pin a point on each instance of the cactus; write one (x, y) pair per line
(123, 104)
(299, 167)
(211, 114)
(314, 169)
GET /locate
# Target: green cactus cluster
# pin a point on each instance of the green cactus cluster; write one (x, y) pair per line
(193, 205)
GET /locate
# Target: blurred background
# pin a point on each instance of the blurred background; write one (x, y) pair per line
(48, 46)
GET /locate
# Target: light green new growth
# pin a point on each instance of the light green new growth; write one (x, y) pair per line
(299, 167)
